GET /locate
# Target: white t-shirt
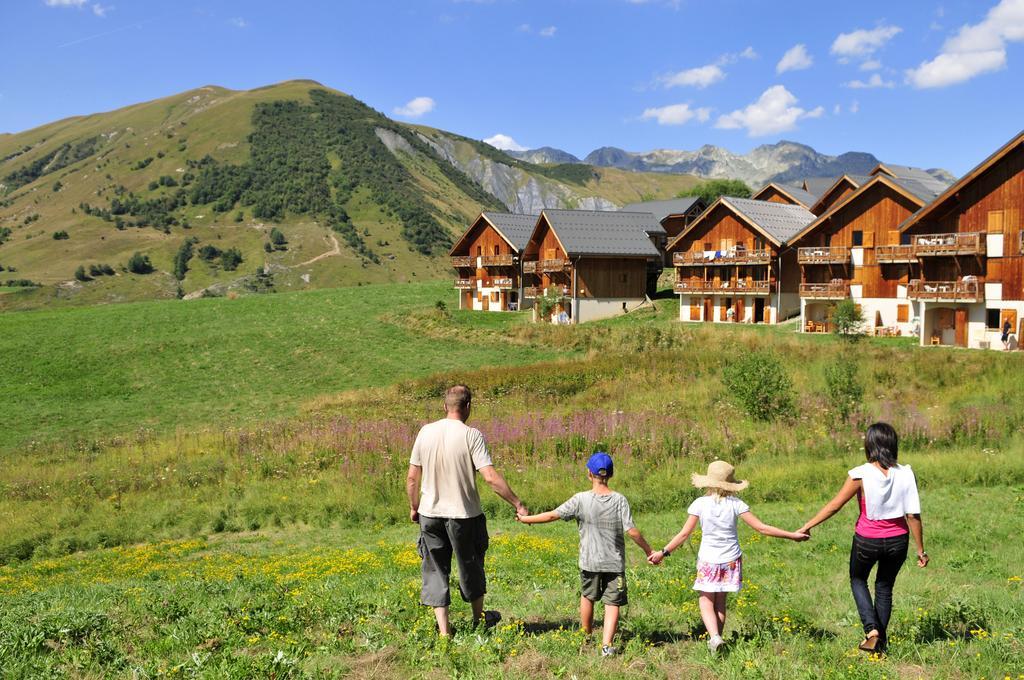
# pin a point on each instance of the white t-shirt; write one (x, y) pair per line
(888, 496)
(719, 542)
(450, 452)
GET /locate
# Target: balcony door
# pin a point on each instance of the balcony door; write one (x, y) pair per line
(709, 309)
(960, 327)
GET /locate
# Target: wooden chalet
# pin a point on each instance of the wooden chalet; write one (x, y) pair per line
(732, 263)
(789, 194)
(488, 260)
(852, 250)
(600, 262)
(674, 215)
(817, 194)
(968, 245)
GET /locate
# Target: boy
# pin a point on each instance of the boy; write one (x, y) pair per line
(603, 517)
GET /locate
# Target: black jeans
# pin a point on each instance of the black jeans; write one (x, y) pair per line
(889, 554)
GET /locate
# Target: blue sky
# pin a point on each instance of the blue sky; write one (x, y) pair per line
(935, 83)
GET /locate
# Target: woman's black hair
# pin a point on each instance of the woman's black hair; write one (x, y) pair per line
(881, 445)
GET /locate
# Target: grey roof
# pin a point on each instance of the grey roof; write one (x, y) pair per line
(602, 232)
(924, 181)
(805, 197)
(927, 192)
(516, 228)
(780, 221)
(816, 186)
(662, 209)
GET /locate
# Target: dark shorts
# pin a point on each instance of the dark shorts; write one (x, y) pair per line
(607, 586)
(440, 538)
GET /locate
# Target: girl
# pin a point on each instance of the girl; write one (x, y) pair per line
(889, 510)
(719, 561)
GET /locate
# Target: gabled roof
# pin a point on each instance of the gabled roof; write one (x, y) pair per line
(854, 180)
(778, 222)
(905, 172)
(793, 192)
(958, 186)
(662, 209)
(908, 188)
(602, 232)
(817, 186)
(515, 229)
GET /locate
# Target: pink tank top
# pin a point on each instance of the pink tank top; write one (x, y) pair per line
(878, 528)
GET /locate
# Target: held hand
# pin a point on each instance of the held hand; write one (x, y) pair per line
(800, 537)
(922, 560)
(656, 557)
(521, 511)
(414, 516)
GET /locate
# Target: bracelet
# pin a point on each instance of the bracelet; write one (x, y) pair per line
(665, 552)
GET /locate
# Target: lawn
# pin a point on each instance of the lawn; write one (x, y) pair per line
(114, 370)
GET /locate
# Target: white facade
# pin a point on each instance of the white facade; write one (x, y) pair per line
(979, 334)
(750, 307)
(592, 309)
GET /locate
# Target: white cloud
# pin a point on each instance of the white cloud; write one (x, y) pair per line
(796, 58)
(836, 110)
(748, 53)
(65, 3)
(547, 32)
(676, 114)
(862, 43)
(871, 65)
(699, 77)
(855, 106)
(774, 111)
(238, 22)
(874, 81)
(974, 50)
(415, 108)
(101, 10)
(504, 142)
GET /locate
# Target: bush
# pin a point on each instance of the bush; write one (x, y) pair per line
(139, 264)
(847, 320)
(230, 259)
(547, 301)
(843, 388)
(60, 235)
(80, 274)
(182, 257)
(712, 189)
(278, 239)
(759, 382)
(101, 270)
(209, 253)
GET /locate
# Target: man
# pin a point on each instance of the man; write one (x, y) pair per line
(443, 499)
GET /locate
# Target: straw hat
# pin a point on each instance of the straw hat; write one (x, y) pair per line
(720, 476)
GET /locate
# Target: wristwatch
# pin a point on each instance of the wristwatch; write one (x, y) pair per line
(665, 552)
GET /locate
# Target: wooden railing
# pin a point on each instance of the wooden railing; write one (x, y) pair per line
(702, 258)
(530, 267)
(506, 260)
(465, 284)
(463, 261)
(823, 255)
(501, 282)
(537, 291)
(965, 290)
(833, 290)
(949, 244)
(735, 286)
(556, 265)
(900, 253)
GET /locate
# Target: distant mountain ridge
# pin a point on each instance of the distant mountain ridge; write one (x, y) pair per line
(784, 161)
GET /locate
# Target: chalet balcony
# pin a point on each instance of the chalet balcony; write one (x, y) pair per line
(833, 290)
(530, 267)
(507, 260)
(503, 282)
(938, 245)
(965, 290)
(465, 284)
(555, 265)
(726, 287)
(900, 254)
(537, 291)
(463, 261)
(823, 255)
(708, 258)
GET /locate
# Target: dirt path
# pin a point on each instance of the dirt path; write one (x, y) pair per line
(333, 252)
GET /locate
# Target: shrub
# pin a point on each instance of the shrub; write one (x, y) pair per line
(61, 235)
(239, 216)
(278, 239)
(57, 186)
(843, 388)
(101, 270)
(209, 253)
(759, 382)
(182, 257)
(139, 264)
(847, 320)
(547, 301)
(230, 259)
(714, 188)
(81, 275)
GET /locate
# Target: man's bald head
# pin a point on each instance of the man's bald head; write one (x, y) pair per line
(457, 400)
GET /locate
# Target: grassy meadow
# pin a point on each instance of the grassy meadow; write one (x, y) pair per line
(257, 527)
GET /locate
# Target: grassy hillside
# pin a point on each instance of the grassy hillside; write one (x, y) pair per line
(224, 168)
(270, 544)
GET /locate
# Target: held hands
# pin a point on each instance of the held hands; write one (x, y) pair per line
(656, 557)
(800, 536)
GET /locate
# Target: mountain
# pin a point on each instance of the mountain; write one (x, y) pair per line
(545, 154)
(305, 184)
(781, 162)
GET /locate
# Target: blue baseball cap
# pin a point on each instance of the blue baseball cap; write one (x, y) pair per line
(600, 464)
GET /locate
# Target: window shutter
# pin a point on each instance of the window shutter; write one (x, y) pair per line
(902, 313)
(995, 221)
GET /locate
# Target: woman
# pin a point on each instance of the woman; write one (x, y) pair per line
(1005, 337)
(890, 510)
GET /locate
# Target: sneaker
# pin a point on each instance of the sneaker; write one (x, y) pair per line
(714, 643)
(608, 650)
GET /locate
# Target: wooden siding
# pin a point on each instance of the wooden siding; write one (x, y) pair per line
(775, 196)
(831, 198)
(611, 278)
(875, 213)
(723, 230)
(995, 198)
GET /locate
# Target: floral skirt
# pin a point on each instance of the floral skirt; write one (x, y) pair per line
(719, 578)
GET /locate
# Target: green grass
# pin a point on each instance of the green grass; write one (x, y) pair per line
(105, 371)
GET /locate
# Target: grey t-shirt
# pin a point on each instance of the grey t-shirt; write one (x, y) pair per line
(603, 521)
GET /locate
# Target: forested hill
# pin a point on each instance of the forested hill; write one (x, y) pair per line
(192, 194)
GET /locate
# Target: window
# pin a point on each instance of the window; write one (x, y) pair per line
(858, 239)
(760, 243)
(904, 239)
(995, 221)
(992, 319)
(479, 250)
(495, 297)
(496, 249)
